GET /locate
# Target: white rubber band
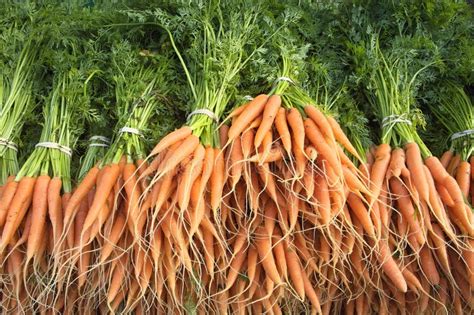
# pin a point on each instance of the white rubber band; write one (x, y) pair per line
(462, 134)
(54, 145)
(248, 98)
(395, 119)
(283, 79)
(100, 138)
(135, 131)
(205, 112)
(95, 144)
(9, 144)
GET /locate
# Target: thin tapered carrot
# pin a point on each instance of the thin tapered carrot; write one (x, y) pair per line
(311, 293)
(405, 206)
(428, 266)
(182, 152)
(281, 126)
(235, 268)
(322, 196)
(264, 248)
(55, 210)
(133, 192)
(112, 238)
(321, 121)
(397, 162)
(446, 158)
(39, 210)
(254, 109)
(453, 164)
(353, 183)
(223, 134)
(317, 139)
(295, 270)
(173, 137)
(415, 166)
(379, 170)
(341, 137)
(192, 170)
(360, 211)
(279, 254)
(439, 245)
(296, 124)
(81, 192)
(269, 114)
(104, 188)
(117, 277)
(390, 267)
(463, 177)
(274, 154)
(17, 210)
(217, 179)
(6, 199)
(236, 157)
(79, 222)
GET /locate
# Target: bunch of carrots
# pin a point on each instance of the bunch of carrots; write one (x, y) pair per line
(264, 207)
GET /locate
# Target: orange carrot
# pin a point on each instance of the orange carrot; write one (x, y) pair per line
(17, 210)
(295, 271)
(269, 113)
(173, 137)
(317, 139)
(463, 177)
(104, 188)
(428, 266)
(390, 267)
(264, 248)
(397, 162)
(39, 210)
(360, 211)
(182, 152)
(446, 158)
(251, 112)
(282, 128)
(415, 166)
(453, 164)
(379, 170)
(81, 192)
(217, 179)
(6, 199)
(54, 207)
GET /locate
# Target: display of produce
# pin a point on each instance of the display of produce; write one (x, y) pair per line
(236, 157)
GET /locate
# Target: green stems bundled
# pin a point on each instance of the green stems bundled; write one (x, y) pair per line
(96, 149)
(391, 95)
(52, 155)
(456, 112)
(15, 104)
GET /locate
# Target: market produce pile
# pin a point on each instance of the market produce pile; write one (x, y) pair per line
(222, 157)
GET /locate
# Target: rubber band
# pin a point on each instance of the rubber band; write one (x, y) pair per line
(9, 144)
(134, 131)
(56, 146)
(203, 111)
(395, 119)
(248, 98)
(100, 138)
(95, 144)
(286, 79)
(461, 134)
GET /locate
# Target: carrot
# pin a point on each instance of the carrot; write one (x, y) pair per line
(322, 196)
(446, 158)
(415, 166)
(6, 199)
(321, 121)
(192, 170)
(311, 293)
(104, 188)
(360, 211)
(280, 257)
(428, 266)
(439, 246)
(118, 276)
(317, 139)
(254, 109)
(397, 162)
(54, 207)
(112, 238)
(39, 210)
(295, 270)
(173, 137)
(264, 248)
(17, 210)
(379, 170)
(80, 193)
(406, 208)
(235, 268)
(269, 114)
(390, 267)
(236, 157)
(453, 164)
(281, 125)
(183, 151)
(341, 137)
(217, 179)
(463, 175)
(296, 123)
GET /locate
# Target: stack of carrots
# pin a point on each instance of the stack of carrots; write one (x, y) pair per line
(265, 207)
